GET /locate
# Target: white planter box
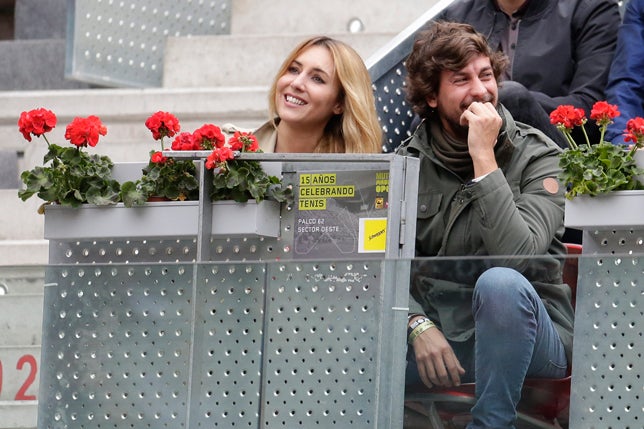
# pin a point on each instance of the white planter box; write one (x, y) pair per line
(231, 218)
(159, 219)
(616, 210)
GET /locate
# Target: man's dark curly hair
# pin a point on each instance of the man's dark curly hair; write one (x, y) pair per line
(444, 46)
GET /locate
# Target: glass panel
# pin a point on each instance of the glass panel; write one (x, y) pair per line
(273, 343)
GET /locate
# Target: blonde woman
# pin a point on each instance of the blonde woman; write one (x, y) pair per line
(321, 101)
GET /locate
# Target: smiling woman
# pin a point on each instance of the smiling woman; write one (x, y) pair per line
(321, 101)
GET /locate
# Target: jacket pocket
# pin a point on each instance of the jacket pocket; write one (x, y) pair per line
(428, 204)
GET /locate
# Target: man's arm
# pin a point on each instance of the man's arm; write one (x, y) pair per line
(594, 28)
(436, 362)
(522, 224)
(626, 79)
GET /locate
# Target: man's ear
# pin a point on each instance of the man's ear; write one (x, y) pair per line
(432, 101)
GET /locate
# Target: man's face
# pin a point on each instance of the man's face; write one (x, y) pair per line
(458, 89)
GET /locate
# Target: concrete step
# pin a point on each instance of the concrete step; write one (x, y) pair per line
(18, 415)
(34, 65)
(21, 320)
(36, 59)
(24, 223)
(243, 60)
(36, 19)
(323, 17)
(21, 236)
(22, 280)
(124, 111)
(24, 252)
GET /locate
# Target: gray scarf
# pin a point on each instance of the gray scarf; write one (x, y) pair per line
(455, 155)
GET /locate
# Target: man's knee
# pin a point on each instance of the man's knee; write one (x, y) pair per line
(501, 283)
(513, 94)
(502, 298)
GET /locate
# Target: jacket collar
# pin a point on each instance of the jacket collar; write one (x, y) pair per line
(535, 9)
(267, 136)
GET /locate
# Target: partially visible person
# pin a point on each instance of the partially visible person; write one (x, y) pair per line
(626, 78)
(488, 187)
(321, 101)
(560, 52)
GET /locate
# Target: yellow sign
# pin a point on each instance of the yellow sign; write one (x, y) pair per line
(312, 204)
(318, 179)
(315, 188)
(372, 235)
(327, 191)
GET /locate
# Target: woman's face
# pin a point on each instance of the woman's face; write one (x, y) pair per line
(307, 94)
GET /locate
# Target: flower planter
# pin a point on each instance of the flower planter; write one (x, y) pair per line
(160, 219)
(616, 210)
(231, 218)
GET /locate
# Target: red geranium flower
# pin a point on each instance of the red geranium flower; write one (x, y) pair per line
(604, 113)
(158, 158)
(634, 131)
(165, 176)
(567, 116)
(241, 179)
(208, 137)
(85, 131)
(163, 124)
(218, 157)
(184, 141)
(36, 122)
(597, 167)
(244, 141)
(69, 176)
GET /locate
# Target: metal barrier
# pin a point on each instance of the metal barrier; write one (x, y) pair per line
(242, 330)
(607, 369)
(122, 43)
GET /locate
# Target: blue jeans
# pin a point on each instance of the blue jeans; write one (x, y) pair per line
(514, 339)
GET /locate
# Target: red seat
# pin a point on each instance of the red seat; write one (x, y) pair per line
(544, 401)
(571, 268)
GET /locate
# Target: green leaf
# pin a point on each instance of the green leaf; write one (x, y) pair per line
(132, 195)
(71, 177)
(174, 179)
(598, 169)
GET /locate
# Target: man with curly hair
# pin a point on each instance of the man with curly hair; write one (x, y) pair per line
(488, 188)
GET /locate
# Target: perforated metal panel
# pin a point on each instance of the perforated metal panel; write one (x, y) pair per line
(607, 374)
(611, 241)
(323, 323)
(147, 333)
(121, 42)
(116, 347)
(387, 70)
(252, 345)
(229, 319)
(122, 251)
(394, 114)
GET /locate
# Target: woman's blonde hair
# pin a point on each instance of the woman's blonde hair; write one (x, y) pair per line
(356, 129)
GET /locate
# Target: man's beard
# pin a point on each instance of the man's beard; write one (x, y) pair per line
(462, 131)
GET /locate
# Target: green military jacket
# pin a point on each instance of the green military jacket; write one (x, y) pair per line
(516, 210)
